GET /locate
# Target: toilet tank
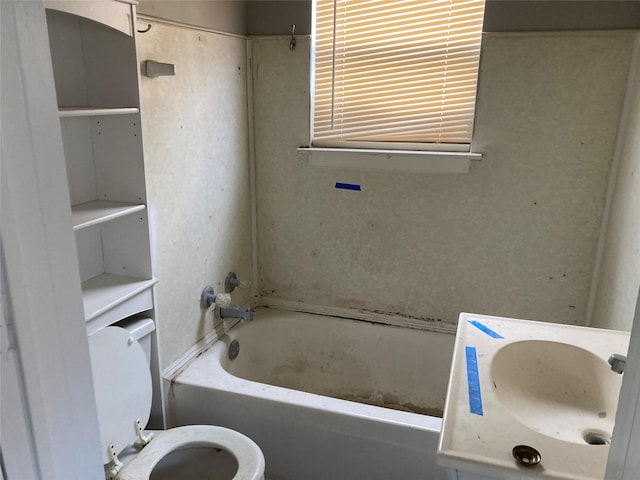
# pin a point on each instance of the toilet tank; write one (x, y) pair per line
(140, 329)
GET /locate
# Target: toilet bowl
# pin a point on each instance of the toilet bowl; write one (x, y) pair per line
(122, 383)
(247, 455)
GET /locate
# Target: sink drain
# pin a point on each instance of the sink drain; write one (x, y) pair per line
(526, 455)
(596, 438)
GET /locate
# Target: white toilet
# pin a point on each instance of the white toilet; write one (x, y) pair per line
(122, 382)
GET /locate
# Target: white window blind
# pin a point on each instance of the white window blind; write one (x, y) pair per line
(399, 71)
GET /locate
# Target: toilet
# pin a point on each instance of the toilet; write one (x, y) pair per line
(123, 389)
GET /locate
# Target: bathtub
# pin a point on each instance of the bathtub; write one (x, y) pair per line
(325, 398)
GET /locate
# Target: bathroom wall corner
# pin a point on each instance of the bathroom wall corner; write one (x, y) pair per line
(617, 277)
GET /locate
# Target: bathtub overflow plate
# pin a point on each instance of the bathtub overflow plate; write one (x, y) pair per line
(234, 350)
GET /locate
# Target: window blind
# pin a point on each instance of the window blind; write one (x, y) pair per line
(401, 71)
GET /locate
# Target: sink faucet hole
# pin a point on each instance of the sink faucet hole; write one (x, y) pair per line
(596, 438)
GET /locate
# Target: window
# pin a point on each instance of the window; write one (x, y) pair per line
(396, 74)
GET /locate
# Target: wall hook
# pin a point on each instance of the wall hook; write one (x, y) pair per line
(146, 29)
(292, 42)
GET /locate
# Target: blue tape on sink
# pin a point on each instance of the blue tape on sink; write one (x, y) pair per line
(473, 381)
(485, 329)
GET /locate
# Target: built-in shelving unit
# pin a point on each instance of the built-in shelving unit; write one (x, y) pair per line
(93, 52)
(96, 72)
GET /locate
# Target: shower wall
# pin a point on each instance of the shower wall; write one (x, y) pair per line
(517, 236)
(196, 149)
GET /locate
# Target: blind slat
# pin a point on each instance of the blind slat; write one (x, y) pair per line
(396, 70)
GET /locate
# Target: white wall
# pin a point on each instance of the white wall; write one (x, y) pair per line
(515, 237)
(223, 15)
(274, 17)
(196, 153)
(619, 278)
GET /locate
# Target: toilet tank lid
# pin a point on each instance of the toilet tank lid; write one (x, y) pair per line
(138, 327)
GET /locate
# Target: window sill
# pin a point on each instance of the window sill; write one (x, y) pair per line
(390, 160)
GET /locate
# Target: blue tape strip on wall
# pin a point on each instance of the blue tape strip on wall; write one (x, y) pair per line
(348, 186)
(485, 329)
(473, 381)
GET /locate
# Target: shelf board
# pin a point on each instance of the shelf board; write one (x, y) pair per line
(107, 291)
(99, 211)
(94, 111)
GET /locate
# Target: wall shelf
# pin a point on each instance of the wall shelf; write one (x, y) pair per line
(99, 211)
(94, 111)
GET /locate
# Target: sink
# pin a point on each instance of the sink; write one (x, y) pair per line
(520, 385)
(557, 389)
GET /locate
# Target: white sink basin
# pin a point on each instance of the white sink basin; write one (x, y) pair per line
(557, 389)
(542, 385)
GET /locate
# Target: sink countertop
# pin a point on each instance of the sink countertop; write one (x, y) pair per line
(519, 382)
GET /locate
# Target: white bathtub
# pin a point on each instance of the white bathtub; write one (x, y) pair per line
(279, 391)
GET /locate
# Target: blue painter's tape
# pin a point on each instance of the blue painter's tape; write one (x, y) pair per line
(348, 186)
(473, 381)
(485, 329)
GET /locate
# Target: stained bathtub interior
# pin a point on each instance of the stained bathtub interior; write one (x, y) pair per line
(362, 362)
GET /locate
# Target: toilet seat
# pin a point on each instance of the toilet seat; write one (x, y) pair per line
(122, 386)
(248, 455)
